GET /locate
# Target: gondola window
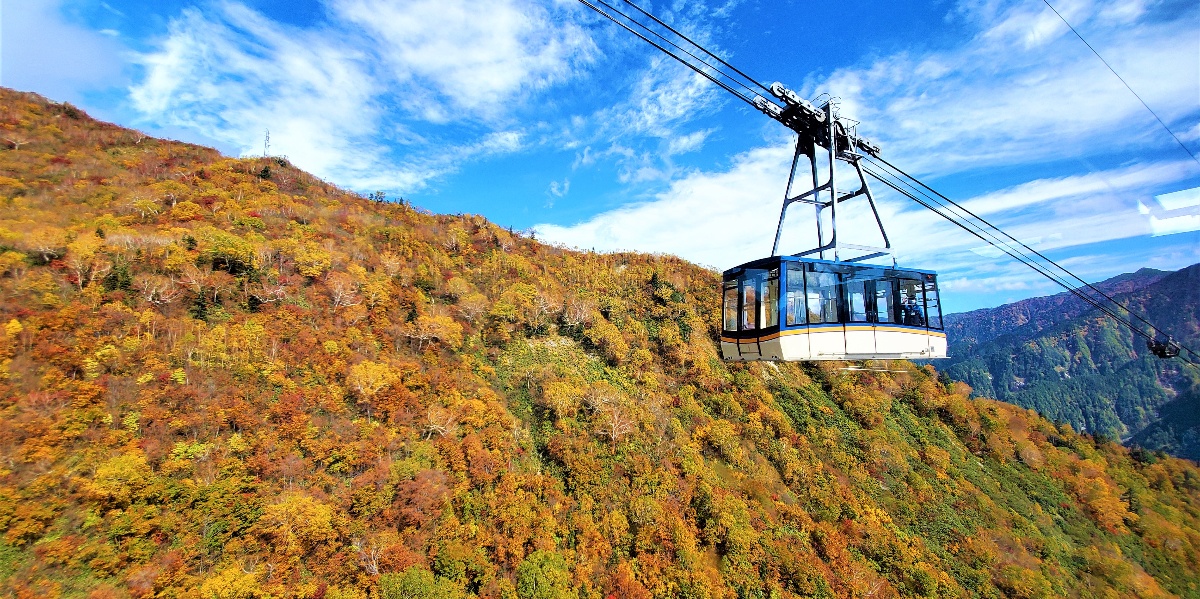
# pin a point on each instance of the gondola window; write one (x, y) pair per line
(731, 308)
(912, 303)
(822, 298)
(795, 295)
(749, 305)
(933, 308)
(856, 297)
(769, 316)
(884, 310)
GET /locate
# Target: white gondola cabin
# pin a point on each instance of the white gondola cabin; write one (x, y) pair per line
(789, 308)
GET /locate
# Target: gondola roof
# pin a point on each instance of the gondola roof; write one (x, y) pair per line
(772, 260)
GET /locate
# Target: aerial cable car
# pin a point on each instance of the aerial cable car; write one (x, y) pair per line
(800, 307)
(804, 307)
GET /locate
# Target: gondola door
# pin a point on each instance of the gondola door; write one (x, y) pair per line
(826, 333)
(748, 319)
(860, 332)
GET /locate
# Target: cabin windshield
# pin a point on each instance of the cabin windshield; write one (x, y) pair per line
(731, 306)
(933, 309)
(751, 300)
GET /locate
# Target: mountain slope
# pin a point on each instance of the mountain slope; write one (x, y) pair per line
(225, 378)
(1028, 317)
(1073, 366)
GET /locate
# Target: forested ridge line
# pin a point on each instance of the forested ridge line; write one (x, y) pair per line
(1074, 365)
(226, 378)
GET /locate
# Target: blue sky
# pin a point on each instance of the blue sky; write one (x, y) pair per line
(540, 115)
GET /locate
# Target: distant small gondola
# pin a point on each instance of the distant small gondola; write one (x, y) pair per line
(1163, 347)
(788, 308)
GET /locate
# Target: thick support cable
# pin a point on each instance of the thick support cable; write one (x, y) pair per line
(1079, 280)
(983, 234)
(701, 71)
(1016, 253)
(702, 48)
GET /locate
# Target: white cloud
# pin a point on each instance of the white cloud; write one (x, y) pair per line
(653, 124)
(1025, 89)
(716, 219)
(558, 190)
(665, 95)
(40, 51)
(1082, 189)
(468, 55)
(688, 143)
(109, 8)
(232, 73)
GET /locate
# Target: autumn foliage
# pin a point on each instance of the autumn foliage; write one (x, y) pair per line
(226, 378)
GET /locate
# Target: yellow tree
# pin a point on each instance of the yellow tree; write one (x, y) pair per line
(81, 255)
(368, 378)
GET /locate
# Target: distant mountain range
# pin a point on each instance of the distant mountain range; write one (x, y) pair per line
(1061, 357)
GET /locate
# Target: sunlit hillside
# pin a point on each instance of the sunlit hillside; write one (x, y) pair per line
(226, 378)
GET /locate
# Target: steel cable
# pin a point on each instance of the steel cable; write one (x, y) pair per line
(942, 209)
(1078, 279)
(706, 74)
(1124, 82)
(702, 48)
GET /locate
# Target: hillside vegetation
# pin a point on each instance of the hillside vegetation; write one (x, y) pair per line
(1074, 365)
(225, 378)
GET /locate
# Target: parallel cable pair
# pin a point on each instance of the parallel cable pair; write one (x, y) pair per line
(728, 81)
(962, 217)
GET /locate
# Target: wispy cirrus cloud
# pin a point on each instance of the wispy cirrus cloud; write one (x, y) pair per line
(468, 57)
(231, 75)
(657, 121)
(1024, 89)
(353, 99)
(660, 118)
(40, 50)
(396, 95)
